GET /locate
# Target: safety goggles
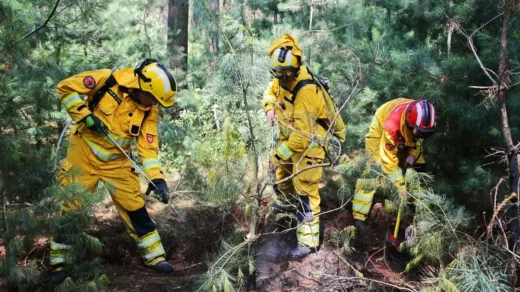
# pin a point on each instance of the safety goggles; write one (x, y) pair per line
(284, 75)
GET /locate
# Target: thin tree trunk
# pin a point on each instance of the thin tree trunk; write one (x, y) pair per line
(213, 33)
(506, 131)
(311, 14)
(178, 18)
(309, 55)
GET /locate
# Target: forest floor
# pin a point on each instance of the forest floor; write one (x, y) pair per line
(189, 237)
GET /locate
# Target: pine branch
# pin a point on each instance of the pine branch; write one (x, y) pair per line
(37, 29)
(474, 51)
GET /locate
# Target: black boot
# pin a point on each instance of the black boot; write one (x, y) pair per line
(300, 251)
(163, 267)
(57, 277)
(360, 225)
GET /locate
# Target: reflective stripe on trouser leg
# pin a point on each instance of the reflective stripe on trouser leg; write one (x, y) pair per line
(285, 198)
(362, 200)
(128, 199)
(74, 172)
(307, 186)
(151, 247)
(61, 254)
(308, 229)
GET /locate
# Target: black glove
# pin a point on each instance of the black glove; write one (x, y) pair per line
(160, 190)
(95, 124)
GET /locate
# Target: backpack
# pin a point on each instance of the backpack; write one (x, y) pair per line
(332, 110)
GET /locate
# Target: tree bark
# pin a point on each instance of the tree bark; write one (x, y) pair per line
(506, 131)
(214, 34)
(178, 18)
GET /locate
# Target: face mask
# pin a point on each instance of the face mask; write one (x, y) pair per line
(284, 75)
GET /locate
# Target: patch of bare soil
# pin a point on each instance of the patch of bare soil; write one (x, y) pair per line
(186, 236)
(330, 269)
(189, 236)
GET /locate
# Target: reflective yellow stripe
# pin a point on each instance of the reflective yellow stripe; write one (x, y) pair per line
(364, 198)
(284, 151)
(149, 163)
(71, 100)
(149, 240)
(154, 253)
(100, 152)
(60, 253)
(124, 142)
(396, 175)
(308, 229)
(57, 260)
(310, 241)
(59, 246)
(363, 209)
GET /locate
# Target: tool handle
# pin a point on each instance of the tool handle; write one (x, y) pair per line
(397, 223)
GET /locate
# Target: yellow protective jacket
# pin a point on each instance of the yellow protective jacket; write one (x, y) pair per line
(124, 118)
(389, 137)
(297, 115)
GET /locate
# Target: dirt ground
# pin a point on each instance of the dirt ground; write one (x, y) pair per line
(329, 269)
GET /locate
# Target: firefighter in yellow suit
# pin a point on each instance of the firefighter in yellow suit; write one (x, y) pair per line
(123, 103)
(299, 139)
(394, 141)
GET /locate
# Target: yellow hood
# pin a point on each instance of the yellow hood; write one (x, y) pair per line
(285, 41)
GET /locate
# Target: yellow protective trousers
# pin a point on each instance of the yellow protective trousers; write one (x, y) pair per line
(363, 196)
(81, 165)
(302, 192)
(366, 189)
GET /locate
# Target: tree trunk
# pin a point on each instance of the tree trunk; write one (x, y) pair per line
(506, 131)
(214, 34)
(178, 18)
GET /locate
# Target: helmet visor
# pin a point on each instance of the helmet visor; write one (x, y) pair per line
(417, 133)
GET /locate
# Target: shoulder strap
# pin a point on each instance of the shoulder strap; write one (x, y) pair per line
(109, 83)
(299, 86)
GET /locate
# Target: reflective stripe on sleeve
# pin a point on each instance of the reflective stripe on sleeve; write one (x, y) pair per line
(71, 100)
(149, 163)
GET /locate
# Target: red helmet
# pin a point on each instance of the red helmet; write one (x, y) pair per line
(420, 116)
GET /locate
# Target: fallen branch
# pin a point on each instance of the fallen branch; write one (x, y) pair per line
(300, 171)
(189, 267)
